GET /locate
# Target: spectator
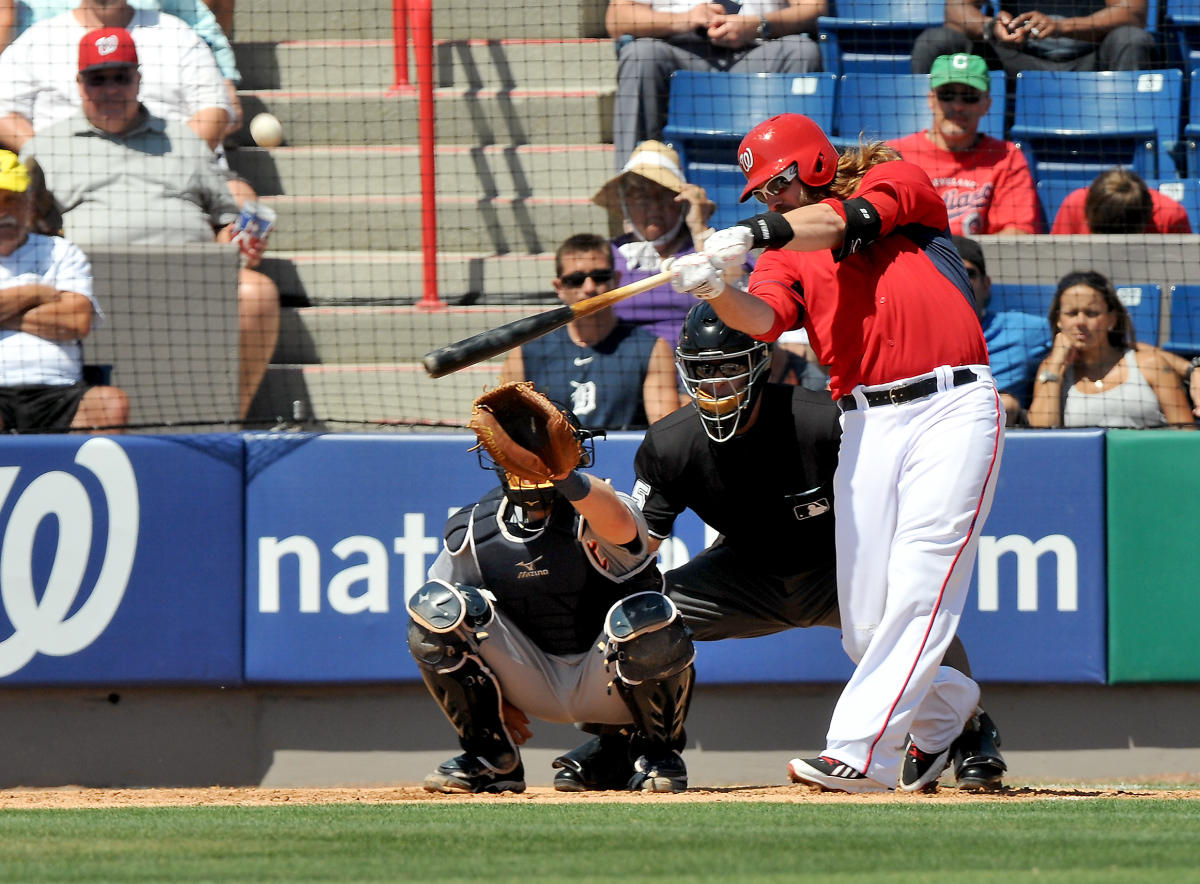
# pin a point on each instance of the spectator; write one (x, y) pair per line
(23, 13)
(985, 182)
(120, 174)
(1016, 341)
(1119, 201)
(1095, 375)
(758, 36)
(611, 373)
(1081, 35)
(182, 81)
(664, 217)
(222, 10)
(46, 309)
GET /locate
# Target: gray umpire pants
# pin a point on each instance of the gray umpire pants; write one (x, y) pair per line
(645, 65)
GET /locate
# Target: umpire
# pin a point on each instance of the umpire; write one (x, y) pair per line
(711, 459)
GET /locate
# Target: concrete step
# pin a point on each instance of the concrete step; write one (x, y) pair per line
(463, 64)
(464, 224)
(484, 117)
(350, 171)
(266, 20)
(331, 335)
(397, 278)
(378, 395)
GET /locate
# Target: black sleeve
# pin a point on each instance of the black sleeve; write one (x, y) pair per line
(862, 227)
(656, 506)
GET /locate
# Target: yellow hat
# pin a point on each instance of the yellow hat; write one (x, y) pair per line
(652, 160)
(13, 175)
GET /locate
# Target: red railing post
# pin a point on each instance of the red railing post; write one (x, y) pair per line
(400, 45)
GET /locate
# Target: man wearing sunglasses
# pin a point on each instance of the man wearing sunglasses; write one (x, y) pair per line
(985, 182)
(613, 374)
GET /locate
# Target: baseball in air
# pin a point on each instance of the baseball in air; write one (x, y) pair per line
(266, 130)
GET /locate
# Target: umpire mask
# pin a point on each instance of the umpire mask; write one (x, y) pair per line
(722, 369)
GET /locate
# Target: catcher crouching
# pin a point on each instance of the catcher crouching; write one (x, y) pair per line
(546, 602)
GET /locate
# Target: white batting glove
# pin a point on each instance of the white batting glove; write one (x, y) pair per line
(696, 275)
(728, 247)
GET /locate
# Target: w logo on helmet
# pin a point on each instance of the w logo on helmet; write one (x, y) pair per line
(746, 160)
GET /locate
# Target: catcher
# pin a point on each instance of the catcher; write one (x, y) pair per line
(545, 601)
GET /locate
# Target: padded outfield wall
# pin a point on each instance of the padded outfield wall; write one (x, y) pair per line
(231, 560)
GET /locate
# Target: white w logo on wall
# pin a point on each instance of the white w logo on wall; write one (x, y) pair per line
(43, 625)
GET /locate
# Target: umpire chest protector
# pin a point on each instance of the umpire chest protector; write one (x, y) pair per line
(546, 582)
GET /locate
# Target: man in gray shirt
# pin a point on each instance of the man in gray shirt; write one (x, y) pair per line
(121, 175)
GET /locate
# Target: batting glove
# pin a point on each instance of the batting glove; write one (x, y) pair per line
(696, 275)
(728, 247)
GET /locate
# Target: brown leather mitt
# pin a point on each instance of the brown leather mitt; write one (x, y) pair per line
(525, 433)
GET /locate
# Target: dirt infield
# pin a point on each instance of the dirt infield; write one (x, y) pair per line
(74, 798)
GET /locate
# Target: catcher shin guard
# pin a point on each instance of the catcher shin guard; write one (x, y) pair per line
(652, 650)
(443, 639)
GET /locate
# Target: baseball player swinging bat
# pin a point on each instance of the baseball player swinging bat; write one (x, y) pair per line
(450, 358)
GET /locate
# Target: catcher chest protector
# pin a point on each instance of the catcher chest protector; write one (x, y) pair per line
(547, 584)
(652, 651)
(441, 636)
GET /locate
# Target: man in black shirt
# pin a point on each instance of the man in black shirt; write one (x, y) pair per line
(757, 466)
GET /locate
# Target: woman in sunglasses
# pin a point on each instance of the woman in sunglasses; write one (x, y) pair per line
(858, 252)
(984, 181)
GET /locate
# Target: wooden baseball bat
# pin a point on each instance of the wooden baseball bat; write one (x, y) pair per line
(445, 360)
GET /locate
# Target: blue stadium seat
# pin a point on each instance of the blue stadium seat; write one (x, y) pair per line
(891, 107)
(1181, 24)
(723, 184)
(1052, 191)
(875, 36)
(1022, 298)
(1186, 192)
(1072, 123)
(1183, 336)
(709, 112)
(1191, 132)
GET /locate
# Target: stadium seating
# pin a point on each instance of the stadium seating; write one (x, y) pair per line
(1182, 31)
(874, 36)
(723, 184)
(710, 111)
(1052, 192)
(891, 107)
(1183, 336)
(1073, 124)
(1191, 132)
(1140, 299)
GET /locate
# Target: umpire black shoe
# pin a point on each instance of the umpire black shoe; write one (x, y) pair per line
(921, 769)
(827, 774)
(600, 764)
(978, 765)
(659, 772)
(468, 773)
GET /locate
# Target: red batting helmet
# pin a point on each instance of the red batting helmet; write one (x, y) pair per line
(773, 145)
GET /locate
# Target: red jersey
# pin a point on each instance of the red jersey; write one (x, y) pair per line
(899, 307)
(1168, 217)
(986, 188)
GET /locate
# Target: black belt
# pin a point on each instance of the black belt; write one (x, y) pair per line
(907, 392)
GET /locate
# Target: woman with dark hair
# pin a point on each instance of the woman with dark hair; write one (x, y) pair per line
(1096, 375)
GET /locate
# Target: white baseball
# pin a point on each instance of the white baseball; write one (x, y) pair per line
(266, 130)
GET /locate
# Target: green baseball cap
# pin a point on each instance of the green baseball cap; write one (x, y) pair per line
(970, 70)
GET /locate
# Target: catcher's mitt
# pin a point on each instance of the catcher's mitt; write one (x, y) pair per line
(525, 433)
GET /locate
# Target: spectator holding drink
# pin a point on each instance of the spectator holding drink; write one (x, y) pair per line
(122, 175)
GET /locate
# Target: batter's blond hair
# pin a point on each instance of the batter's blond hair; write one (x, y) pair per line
(854, 163)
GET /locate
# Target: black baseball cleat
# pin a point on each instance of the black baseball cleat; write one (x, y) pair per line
(659, 772)
(827, 774)
(921, 770)
(600, 764)
(978, 765)
(468, 773)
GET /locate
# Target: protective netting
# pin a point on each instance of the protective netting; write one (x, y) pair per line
(525, 97)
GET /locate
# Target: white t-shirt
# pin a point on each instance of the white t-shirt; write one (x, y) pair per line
(749, 7)
(179, 73)
(26, 358)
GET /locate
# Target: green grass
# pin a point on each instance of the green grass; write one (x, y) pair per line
(1091, 840)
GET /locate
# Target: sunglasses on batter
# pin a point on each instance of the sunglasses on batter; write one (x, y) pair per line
(600, 276)
(97, 79)
(776, 185)
(966, 96)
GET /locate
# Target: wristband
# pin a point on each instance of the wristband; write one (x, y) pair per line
(574, 486)
(769, 230)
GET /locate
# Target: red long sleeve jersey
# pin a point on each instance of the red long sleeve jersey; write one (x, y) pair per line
(899, 307)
